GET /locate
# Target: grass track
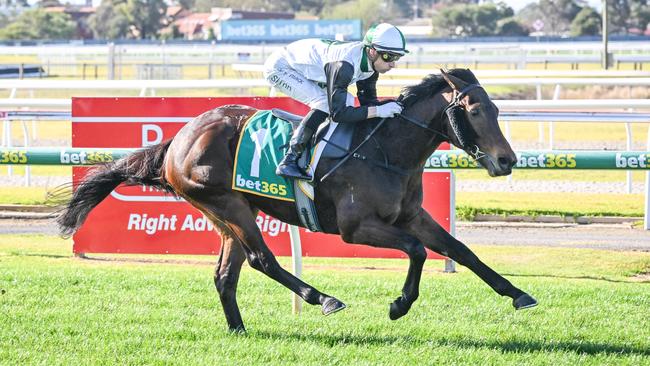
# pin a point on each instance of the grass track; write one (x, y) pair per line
(564, 204)
(60, 310)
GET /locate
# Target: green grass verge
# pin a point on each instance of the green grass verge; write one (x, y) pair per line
(567, 132)
(39, 170)
(469, 204)
(60, 310)
(557, 174)
(24, 196)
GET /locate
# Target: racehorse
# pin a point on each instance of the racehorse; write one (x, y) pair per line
(373, 204)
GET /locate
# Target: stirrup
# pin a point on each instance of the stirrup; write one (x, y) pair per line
(292, 171)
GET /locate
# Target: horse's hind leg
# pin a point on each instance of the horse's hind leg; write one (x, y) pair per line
(226, 276)
(231, 213)
(436, 238)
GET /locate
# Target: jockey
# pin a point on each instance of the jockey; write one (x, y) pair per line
(318, 72)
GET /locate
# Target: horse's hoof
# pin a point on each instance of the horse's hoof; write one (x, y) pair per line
(331, 306)
(237, 330)
(524, 301)
(398, 309)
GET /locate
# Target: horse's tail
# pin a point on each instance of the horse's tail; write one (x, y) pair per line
(141, 167)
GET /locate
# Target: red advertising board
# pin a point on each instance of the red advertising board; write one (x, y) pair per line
(142, 220)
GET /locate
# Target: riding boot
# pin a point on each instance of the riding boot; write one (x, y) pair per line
(288, 167)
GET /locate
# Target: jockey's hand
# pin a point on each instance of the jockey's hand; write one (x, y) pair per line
(388, 110)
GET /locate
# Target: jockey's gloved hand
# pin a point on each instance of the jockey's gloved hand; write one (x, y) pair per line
(388, 110)
(384, 101)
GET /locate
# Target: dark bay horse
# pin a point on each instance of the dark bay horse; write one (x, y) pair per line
(364, 203)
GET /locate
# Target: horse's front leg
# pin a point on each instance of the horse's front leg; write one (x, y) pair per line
(380, 234)
(436, 238)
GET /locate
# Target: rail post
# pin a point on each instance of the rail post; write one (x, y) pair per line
(646, 218)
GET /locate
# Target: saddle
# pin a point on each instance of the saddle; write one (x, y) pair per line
(333, 141)
(337, 144)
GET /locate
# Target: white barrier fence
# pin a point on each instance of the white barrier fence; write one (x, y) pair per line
(56, 104)
(517, 73)
(620, 110)
(518, 54)
(150, 86)
(512, 111)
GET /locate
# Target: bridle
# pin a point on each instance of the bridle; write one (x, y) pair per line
(453, 111)
(454, 114)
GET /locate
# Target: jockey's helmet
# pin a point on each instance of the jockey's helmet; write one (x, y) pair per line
(386, 37)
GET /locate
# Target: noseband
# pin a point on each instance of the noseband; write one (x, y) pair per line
(454, 112)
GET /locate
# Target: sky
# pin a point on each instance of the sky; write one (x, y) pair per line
(517, 5)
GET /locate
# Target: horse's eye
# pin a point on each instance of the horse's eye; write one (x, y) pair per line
(474, 112)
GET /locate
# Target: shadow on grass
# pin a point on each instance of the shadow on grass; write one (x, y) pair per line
(42, 255)
(510, 346)
(148, 260)
(592, 278)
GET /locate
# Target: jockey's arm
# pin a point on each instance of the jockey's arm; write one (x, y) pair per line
(339, 75)
(367, 90)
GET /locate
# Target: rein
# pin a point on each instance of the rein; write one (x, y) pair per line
(354, 154)
(453, 106)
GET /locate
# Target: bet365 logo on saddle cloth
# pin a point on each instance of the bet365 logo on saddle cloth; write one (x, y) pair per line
(261, 147)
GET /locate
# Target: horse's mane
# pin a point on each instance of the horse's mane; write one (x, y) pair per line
(432, 84)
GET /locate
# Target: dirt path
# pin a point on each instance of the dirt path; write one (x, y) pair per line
(595, 236)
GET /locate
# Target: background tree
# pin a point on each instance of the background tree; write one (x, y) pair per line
(146, 17)
(529, 14)
(254, 5)
(558, 15)
(39, 24)
(627, 14)
(445, 3)
(453, 21)
(110, 20)
(48, 3)
(185, 4)
(587, 23)
(203, 6)
(470, 20)
(9, 4)
(369, 11)
(640, 14)
(140, 19)
(314, 7)
(4, 20)
(618, 13)
(510, 27)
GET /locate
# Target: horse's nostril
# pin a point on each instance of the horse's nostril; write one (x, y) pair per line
(504, 162)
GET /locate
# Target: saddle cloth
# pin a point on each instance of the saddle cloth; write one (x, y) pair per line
(259, 151)
(262, 145)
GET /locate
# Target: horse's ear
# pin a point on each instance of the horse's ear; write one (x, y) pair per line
(454, 82)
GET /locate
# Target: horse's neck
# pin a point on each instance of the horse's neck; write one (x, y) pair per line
(408, 145)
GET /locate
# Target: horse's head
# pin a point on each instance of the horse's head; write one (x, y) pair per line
(474, 127)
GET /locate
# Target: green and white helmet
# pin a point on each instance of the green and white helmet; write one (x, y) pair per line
(386, 37)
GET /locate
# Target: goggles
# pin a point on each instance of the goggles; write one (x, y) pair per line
(389, 57)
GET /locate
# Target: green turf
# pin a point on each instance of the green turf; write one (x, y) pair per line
(555, 175)
(469, 204)
(60, 310)
(25, 196)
